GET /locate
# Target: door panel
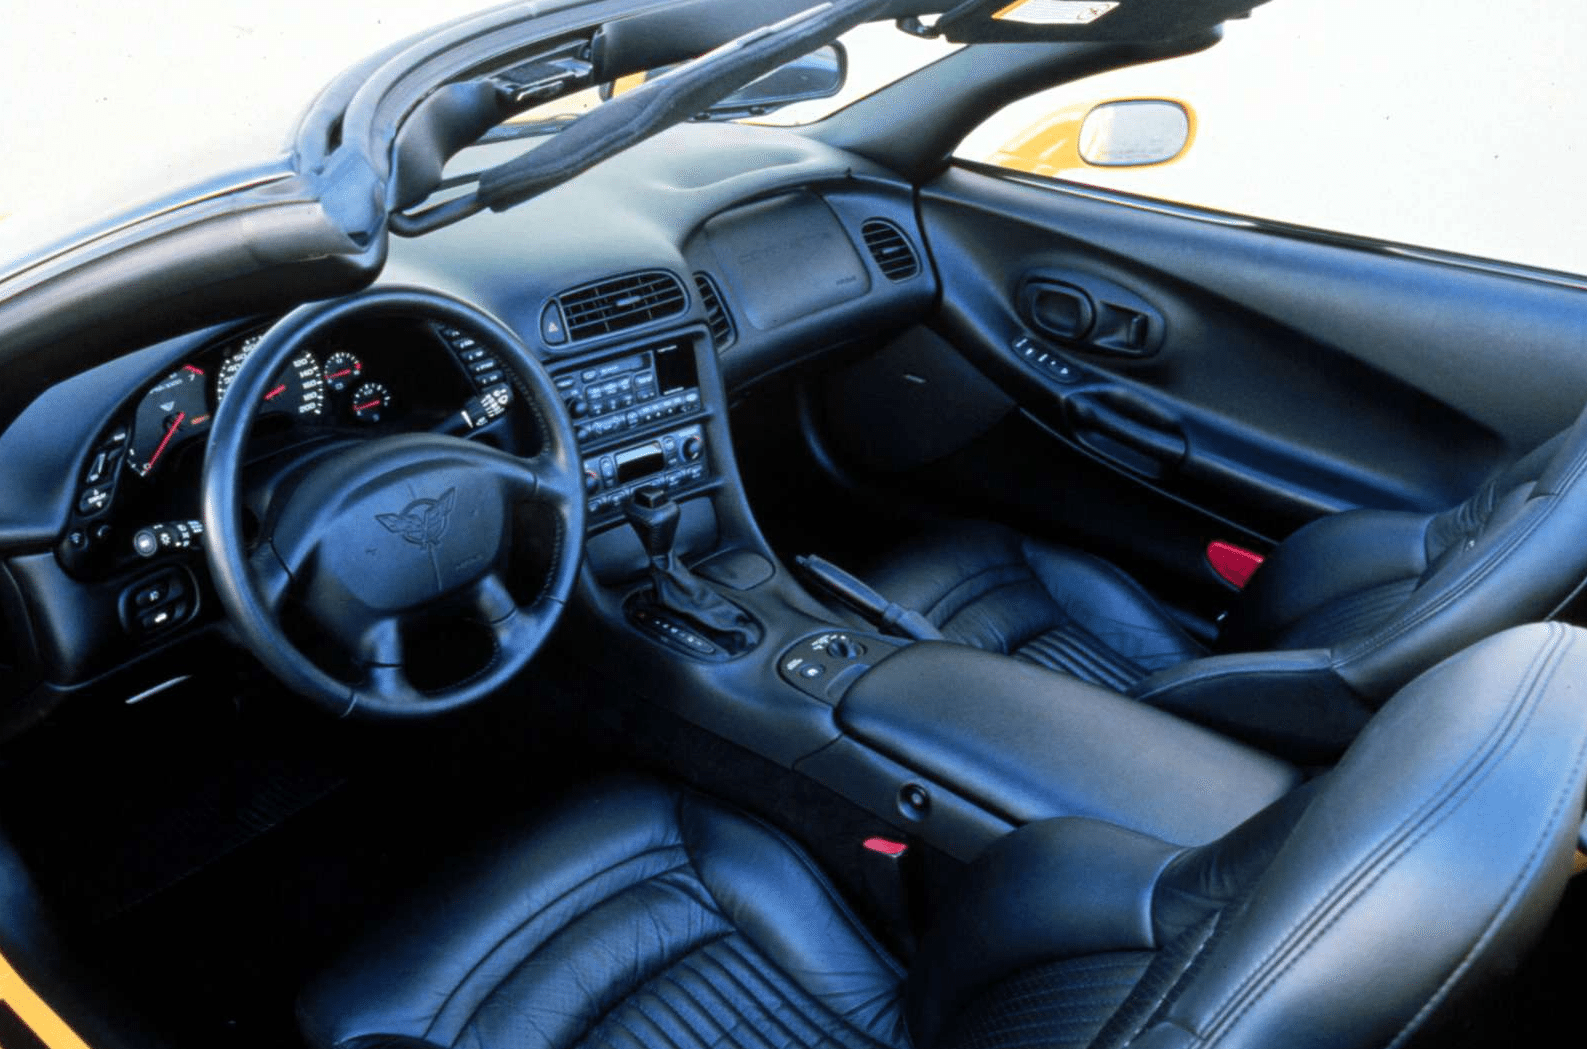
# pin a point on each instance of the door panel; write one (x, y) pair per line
(1235, 372)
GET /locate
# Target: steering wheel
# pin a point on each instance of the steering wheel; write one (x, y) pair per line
(380, 534)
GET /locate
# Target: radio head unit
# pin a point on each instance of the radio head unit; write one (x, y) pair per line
(635, 405)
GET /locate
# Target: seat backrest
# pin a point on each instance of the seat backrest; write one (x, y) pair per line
(1348, 914)
(1388, 594)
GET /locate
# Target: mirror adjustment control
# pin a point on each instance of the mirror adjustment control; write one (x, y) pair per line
(825, 665)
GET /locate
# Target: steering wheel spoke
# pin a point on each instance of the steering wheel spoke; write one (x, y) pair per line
(271, 576)
(561, 484)
(492, 601)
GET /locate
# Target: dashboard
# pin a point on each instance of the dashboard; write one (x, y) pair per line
(655, 288)
(383, 375)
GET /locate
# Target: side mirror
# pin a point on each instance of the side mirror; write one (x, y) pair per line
(1123, 133)
(819, 74)
(1135, 133)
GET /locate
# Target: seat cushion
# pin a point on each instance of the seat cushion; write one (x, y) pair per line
(988, 586)
(641, 914)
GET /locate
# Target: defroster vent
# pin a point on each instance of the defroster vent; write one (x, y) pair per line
(890, 248)
(716, 315)
(619, 303)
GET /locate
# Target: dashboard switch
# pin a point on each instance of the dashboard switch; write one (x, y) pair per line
(178, 535)
(94, 499)
(552, 330)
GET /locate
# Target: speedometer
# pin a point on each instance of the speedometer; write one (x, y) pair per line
(299, 388)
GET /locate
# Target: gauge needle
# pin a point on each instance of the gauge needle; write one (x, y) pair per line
(278, 391)
(165, 441)
(367, 404)
(340, 374)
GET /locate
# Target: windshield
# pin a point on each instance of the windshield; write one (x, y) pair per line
(156, 104)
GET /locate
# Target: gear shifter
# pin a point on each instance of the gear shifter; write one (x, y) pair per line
(678, 591)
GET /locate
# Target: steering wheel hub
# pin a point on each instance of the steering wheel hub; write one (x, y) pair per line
(394, 525)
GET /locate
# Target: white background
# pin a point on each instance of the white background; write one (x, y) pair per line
(1455, 124)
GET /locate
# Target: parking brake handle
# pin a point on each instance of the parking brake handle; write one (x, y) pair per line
(889, 616)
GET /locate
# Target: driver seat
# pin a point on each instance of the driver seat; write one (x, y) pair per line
(1344, 612)
(1350, 913)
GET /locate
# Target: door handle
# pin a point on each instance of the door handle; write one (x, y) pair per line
(1129, 430)
(1090, 313)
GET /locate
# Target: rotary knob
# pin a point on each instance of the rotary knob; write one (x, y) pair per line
(592, 481)
(693, 448)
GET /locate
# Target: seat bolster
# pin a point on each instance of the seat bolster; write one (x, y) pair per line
(1329, 559)
(1293, 704)
(1052, 890)
(418, 972)
(631, 891)
(770, 891)
(1111, 605)
(1479, 766)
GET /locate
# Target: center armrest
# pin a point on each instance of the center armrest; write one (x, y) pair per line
(1029, 744)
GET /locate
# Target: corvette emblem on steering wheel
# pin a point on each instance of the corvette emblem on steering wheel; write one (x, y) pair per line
(423, 521)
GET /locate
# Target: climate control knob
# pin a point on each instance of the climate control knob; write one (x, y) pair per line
(693, 448)
(592, 481)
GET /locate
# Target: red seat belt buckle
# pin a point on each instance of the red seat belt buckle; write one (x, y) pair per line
(1234, 564)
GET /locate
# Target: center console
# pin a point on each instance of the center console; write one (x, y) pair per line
(685, 603)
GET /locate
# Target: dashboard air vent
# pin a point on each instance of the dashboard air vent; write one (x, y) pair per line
(618, 303)
(716, 314)
(890, 248)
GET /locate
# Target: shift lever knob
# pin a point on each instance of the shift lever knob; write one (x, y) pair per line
(654, 517)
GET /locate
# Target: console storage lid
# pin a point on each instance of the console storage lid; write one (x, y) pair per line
(1028, 744)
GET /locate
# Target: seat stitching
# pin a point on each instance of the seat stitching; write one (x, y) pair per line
(705, 1010)
(1023, 569)
(1532, 862)
(1124, 579)
(610, 1012)
(834, 1018)
(1476, 573)
(1332, 905)
(542, 910)
(822, 882)
(790, 1036)
(1070, 649)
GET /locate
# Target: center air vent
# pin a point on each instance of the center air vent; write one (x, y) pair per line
(716, 314)
(619, 303)
(890, 248)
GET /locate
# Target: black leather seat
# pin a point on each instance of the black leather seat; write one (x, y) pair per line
(1348, 913)
(1344, 612)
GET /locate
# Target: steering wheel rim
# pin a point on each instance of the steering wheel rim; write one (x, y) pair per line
(486, 485)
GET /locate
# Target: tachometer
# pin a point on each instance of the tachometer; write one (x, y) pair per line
(342, 369)
(175, 409)
(299, 388)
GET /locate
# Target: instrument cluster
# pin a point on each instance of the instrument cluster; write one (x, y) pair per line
(180, 406)
(370, 376)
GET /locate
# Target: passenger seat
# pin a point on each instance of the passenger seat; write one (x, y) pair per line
(1343, 613)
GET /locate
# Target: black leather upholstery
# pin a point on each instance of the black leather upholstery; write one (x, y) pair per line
(1346, 914)
(1031, 745)
(641, 914)
(990, 587)
(1349, 608)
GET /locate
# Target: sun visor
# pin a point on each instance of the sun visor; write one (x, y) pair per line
(1032, 21)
